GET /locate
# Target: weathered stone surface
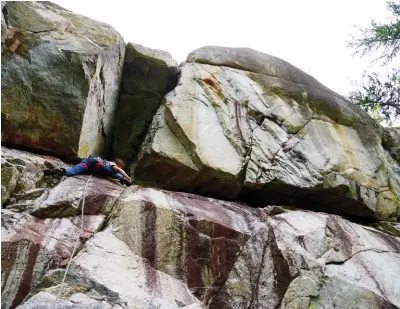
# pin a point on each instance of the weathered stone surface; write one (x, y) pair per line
(35, 236)
(3, 22)
(147, 76)
(337, 264)
(391, 142)
(266, 134)
(148, 70)
(107, 267)
(31, 246)
(60, 80)
(240, 125)
(22, 177)
(45, 300)
(251, 60)
(193, 238)
(391, 228)
(9, 178)
(172, 250)
(66, 199)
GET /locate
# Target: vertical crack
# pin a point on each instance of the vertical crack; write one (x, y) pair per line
(281, 269)
(255, 294)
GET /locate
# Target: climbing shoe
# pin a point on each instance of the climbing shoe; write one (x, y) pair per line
(54, 171)
(125, 182)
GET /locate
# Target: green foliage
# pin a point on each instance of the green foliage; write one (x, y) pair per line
(380, 98)
(384, 38)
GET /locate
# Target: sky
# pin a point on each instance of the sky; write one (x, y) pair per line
(310, 34)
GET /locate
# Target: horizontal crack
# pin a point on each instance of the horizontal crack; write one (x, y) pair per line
(361, 251)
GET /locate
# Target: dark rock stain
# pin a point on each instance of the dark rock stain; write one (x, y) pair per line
(149, 244)
(26, 278)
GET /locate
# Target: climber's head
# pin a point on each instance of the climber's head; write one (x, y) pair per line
(120, 163)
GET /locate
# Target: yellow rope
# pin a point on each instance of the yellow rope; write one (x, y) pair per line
(76, 241)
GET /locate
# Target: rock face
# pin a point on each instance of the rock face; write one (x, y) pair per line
(233, 256)
(45, 300)
(176, 250)
(163, 249)
(391, 141)
(242, 124)
(21, 176)
(60, 80)
(147, 76)
(3, 23)
(41, 220)
(31, 246)
(261, 143)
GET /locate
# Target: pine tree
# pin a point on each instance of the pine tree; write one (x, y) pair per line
(381, 98)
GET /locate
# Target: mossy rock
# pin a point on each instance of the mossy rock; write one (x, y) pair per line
(387, 227)
(9, 178)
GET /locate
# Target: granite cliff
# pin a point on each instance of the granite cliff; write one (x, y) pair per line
(255, 186)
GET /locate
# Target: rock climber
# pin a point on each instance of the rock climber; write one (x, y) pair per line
(94, 165)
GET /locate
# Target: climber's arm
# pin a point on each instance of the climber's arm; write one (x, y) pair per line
(121, 171)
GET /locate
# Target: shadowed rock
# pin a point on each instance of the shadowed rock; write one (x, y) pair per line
(148, 75)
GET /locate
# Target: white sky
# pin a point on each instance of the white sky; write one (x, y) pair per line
(310, 34)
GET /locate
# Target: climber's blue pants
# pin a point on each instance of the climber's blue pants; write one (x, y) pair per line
(91, 165)
(106, 170)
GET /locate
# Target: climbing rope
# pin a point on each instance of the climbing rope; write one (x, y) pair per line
(76, 241)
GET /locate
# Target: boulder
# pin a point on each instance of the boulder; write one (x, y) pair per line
(148, 75)
(235, 256)
(60, 80)
(176, 250)
(249, 126)
(251, 60)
